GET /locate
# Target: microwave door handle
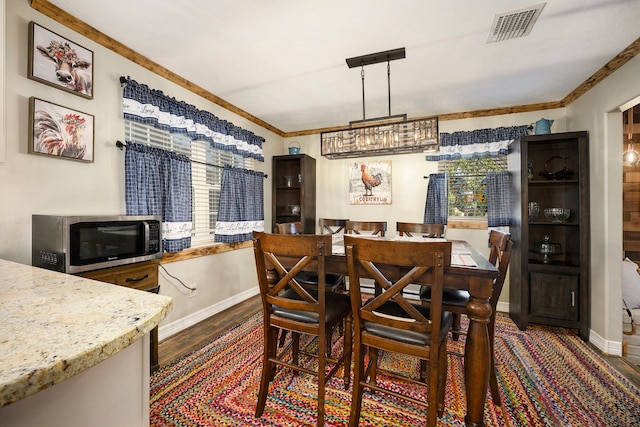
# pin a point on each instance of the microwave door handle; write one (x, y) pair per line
(146, 236)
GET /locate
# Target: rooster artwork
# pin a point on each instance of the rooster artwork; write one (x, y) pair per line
(62, 132)
(370, 183)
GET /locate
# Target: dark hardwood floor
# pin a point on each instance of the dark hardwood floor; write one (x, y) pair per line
(209, 329)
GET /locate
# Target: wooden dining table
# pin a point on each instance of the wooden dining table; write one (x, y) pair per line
(469, 271)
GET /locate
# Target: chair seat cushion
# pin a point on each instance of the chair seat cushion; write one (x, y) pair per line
(455, 297)
(311, 278)
(337, 307)
(392, 309)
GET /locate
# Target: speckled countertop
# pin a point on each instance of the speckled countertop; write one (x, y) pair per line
(54, 326)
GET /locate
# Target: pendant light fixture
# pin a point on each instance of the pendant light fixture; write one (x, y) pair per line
(381, 135)
(631, 156)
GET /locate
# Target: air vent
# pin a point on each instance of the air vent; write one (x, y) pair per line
(514, 24)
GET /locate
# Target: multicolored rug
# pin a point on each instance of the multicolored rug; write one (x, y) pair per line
(548, 377)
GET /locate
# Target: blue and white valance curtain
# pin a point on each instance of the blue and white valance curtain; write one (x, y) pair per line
(158, 182)
(436, 210)
(241, 209)
(476, 143)
(153, 107)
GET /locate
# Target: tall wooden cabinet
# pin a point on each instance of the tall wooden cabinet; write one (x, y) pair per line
(549, 268)
(294, 191)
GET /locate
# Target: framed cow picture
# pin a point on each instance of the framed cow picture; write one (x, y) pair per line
(59, 62)
(59, 131)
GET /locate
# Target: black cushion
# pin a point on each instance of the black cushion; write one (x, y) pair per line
(411, 337)
(311, 278)
(337, 307)
(455, 297)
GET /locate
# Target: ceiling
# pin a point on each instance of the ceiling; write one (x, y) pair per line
(283, 61)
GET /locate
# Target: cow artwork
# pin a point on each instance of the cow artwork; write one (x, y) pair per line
(59, 62)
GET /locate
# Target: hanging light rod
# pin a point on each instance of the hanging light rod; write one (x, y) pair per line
(375, 58)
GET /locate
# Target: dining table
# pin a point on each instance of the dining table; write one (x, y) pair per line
(471, 271)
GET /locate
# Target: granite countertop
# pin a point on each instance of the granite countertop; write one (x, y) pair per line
(54, 326)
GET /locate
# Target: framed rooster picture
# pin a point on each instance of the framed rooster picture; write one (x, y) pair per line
(60, 131)
(370, 183)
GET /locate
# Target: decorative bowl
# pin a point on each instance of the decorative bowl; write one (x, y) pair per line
(557, 214)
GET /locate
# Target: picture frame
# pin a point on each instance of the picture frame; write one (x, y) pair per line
(370, 182)
(58, 131)
(58, 62)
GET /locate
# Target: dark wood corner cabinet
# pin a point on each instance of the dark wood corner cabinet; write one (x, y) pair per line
(142, 276)
(294, 191)
(549, 268)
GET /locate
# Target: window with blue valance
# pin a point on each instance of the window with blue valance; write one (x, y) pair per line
(459, 154)
(150, 106)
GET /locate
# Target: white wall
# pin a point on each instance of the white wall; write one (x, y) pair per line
(37, 184)
(597, 111)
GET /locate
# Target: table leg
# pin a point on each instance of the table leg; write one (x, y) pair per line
(477, 354)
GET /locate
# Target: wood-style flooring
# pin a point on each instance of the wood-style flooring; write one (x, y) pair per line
(209, 329)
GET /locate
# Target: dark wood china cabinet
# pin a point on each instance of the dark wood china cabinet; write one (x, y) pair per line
(294, 191)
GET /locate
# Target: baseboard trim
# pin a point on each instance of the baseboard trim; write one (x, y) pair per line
(610, 348)
(173, 328)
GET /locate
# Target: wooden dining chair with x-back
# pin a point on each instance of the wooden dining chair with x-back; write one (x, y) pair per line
(391, 323)
(455, 300)
(289, 306)
(373, 228)
(410, 229)
(310, 278)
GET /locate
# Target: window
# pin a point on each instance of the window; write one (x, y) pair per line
(468, 185)
(206, 172)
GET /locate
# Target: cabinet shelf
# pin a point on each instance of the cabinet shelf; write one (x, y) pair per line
(299, 171)
(555, 292)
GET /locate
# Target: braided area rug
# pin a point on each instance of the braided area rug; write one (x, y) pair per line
(547, 376)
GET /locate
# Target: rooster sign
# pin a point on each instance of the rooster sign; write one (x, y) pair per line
(370, 183)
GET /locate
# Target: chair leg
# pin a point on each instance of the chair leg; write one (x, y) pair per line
(270, 344)
(358, 388)
(295, 349)
(434, 376)
(493, 378)
(442, 376)
(322, 378)
(348, 346)
(456, 327)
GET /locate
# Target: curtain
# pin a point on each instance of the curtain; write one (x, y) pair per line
(241, 209)
(497, 198)
(158, 182)
(436, 210)
(476, 143)
(153, 107)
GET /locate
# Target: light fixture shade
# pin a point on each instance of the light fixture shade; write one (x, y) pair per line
(630, 157)
(381, 138)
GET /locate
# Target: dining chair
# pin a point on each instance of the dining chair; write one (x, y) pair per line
(391, 323)
(289, 306)
(289, 227)
(455, 300)
(424, 230)
(310, 278)
(374, 228)
(331, 225)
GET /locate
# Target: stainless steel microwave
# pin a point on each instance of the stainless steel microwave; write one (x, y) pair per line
(73, 244)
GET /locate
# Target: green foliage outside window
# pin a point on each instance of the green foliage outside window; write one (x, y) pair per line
(468, 185)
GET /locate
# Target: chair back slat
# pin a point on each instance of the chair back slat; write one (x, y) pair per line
(331, 225)
(375, 228)
(500, 255)
(394, 265)
(277, 251)
(289, 227)
(424, 230)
